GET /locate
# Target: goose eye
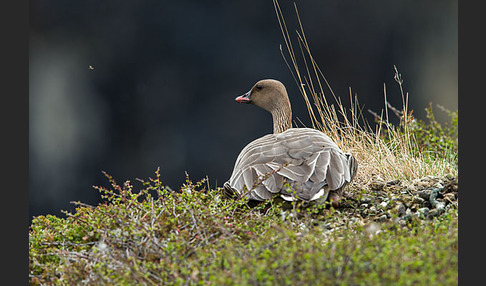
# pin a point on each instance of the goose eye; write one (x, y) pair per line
(259, 86)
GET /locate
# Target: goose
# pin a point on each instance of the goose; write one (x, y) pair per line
(293, 163)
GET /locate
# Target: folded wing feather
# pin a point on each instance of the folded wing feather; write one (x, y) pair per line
(306, 159)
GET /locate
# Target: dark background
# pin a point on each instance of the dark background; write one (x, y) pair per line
(165, 75)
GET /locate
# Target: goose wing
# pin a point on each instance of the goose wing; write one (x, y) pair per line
(298, 162)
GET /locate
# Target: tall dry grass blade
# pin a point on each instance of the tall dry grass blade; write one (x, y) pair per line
(392, 158)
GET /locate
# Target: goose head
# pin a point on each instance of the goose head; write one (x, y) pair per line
(271, 95)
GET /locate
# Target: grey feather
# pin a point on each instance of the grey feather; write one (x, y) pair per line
(305, 158)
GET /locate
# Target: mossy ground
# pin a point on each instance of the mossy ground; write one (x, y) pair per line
(196, 236)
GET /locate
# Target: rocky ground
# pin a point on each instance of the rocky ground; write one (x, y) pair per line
(400, 202)
(396, 201)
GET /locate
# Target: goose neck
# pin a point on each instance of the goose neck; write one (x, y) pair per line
(282, 119)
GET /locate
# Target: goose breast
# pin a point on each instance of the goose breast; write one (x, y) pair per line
(301, 163)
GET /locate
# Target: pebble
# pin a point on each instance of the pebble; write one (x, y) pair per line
(450, 197)
(372, 210)
(392, 183)
(422, 212)
(402, 221)
(408, 215)
(439, 185)
(433, 200)
(382, 218)
(418, 200)
(433, 213)
(377, 185)
(439, 205)
(408, 212)
(401, 209)
(433, 194)
(365, 199)
(425, 194)
(414, 207)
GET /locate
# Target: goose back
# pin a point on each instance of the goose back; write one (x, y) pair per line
(301, 163)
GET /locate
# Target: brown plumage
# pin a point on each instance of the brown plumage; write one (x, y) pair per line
(295, 163)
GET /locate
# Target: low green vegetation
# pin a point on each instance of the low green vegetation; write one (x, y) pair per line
(435, 140)
(151, 235)
(439, 140)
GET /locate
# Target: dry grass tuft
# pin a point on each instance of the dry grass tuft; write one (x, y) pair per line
(392, 156)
